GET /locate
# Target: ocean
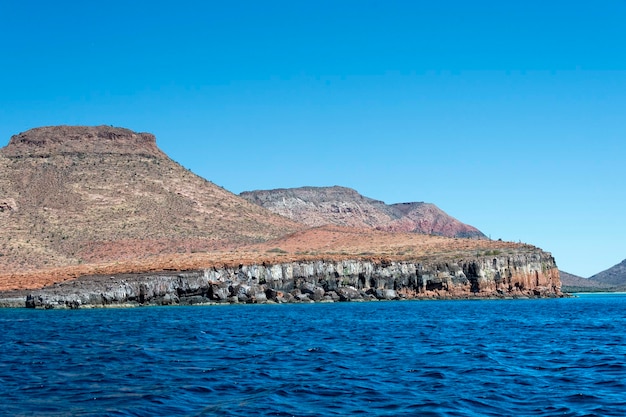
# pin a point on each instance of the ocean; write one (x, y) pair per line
(540, 357)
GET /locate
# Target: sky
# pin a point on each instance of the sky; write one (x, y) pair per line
(510, 116)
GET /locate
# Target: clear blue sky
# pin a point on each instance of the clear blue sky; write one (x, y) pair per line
(510, 116)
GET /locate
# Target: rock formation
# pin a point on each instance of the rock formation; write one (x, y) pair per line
(518, 275)
(317, 206)
(106, 204)
(59, 140)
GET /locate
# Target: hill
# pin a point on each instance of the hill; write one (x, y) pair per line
(340, 206)
(72, 195)
(85, 201)
(614, 276)
(573, 283)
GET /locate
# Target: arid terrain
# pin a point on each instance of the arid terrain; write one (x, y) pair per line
(77, 196)
(615, 276)
(574, 283)
(327, 242)
(341, 206)
(611, 279)
(101, 200)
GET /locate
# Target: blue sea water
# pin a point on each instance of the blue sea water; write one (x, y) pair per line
(550, 357)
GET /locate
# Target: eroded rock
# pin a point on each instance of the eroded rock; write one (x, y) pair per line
(518, 275)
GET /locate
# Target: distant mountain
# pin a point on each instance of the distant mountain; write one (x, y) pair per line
(614, 276)
(341, 206)
(574, 283)
(613, 279)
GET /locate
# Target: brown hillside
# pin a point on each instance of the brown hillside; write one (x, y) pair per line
(84, 195)
(614, 276)
(341, 206)
(427, 218)
(327, 243)
(101, 200)
(574, 283)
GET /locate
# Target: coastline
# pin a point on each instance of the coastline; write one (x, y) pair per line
(506, 277)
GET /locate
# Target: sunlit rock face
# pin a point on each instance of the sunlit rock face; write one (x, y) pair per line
(513, 276)
(341, 206)
(54, 140)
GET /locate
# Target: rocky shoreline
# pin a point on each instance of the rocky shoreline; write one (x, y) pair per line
(524, 275)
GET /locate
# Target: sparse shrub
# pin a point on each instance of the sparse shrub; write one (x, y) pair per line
(276, 250)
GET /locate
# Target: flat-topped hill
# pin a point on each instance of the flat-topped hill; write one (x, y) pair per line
(341, 206)
(80, 195)
(57, 140)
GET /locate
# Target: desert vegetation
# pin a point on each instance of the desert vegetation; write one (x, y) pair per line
(78, 201)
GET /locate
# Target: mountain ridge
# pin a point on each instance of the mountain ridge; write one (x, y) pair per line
(614, 276)
(342, 206)
(574, 283)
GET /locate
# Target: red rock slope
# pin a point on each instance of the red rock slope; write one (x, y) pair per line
(340, 206)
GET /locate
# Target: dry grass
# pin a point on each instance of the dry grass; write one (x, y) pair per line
(68, 210)
(328, 243)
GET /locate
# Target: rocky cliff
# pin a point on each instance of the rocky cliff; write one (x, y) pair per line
(341, 206)
(531, 274)
(59, 140)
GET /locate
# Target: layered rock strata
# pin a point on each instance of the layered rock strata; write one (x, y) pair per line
(514, 276)
(60, 140)
(341, 206)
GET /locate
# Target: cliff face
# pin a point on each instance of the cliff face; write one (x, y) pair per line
(340, 206)
(513, 276)
(55, 140)
(319, 206)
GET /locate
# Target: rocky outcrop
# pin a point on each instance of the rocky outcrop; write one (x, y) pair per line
(59, 140)
(10, 300)
(341, 206)
(516, 275)
(7, 205)
(319, 206)
(427, 218)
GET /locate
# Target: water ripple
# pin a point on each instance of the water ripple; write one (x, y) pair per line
(450, 358)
